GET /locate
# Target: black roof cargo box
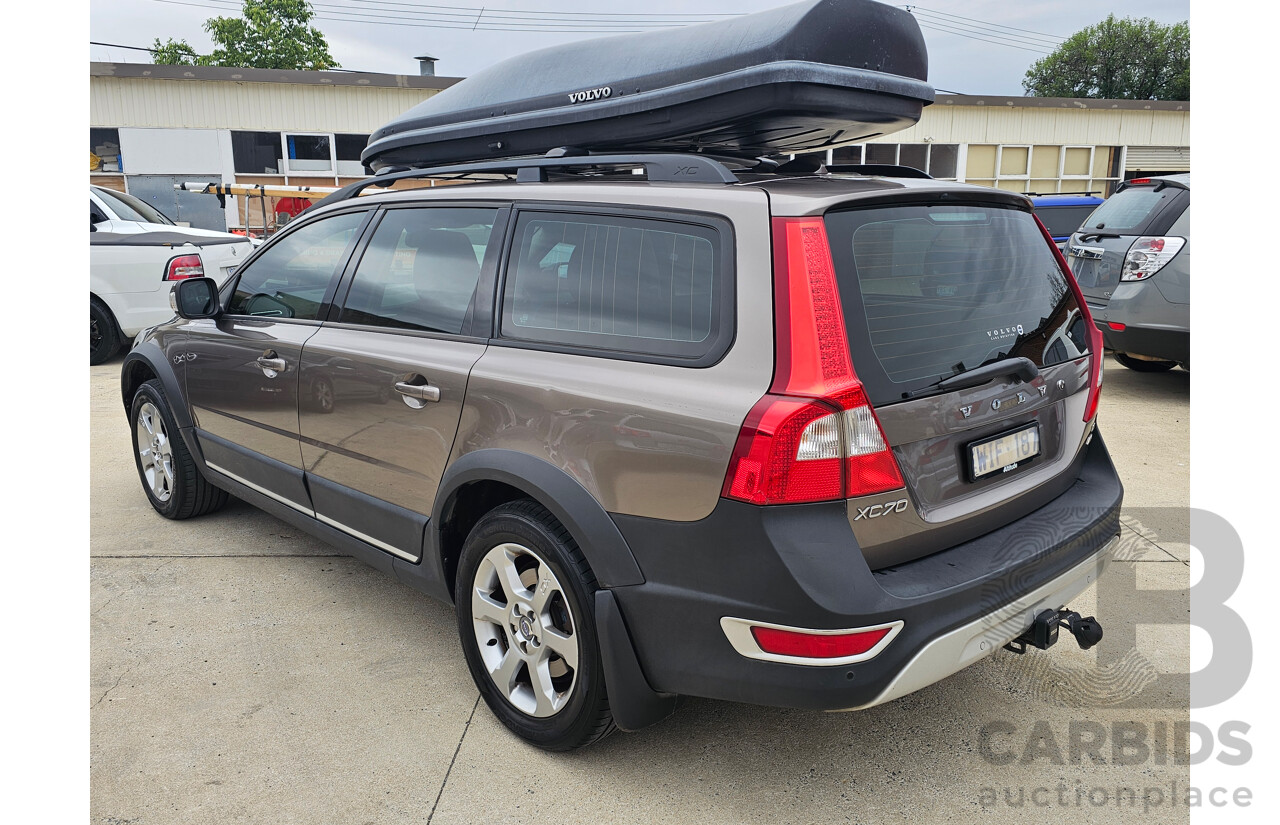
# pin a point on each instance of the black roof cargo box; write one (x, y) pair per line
(798, 78)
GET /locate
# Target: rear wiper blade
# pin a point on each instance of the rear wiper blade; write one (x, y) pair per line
(1097, 236)
(1019, 367)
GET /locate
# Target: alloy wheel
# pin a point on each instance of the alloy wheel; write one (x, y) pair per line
(155, 453)
(525, 630)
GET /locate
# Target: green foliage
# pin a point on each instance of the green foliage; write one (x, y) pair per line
(1121, 59)
(174, 53)
(270, 34)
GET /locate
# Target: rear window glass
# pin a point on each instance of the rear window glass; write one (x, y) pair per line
(930, 291)
(1063, 220)
(628, 284)
(1129, 210)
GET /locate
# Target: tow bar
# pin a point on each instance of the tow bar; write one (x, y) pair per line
(1044, 631)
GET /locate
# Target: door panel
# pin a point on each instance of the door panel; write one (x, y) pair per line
(359, 432)
(236, 399)
(243, 367)
(383, 382)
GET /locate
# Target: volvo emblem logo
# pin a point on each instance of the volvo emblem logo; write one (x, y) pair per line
(590, 94)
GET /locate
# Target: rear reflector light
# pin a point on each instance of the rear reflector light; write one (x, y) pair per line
(1095, 334)
(1116, 325)
(814, 436)
(1148, 255)
(817, 646)
(183, 267)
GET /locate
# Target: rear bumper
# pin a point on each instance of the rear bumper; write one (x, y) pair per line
(1154, 342)
(800, 566)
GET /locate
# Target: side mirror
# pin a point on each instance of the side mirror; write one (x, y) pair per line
(195, 298)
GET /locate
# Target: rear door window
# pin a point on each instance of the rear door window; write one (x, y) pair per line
(637, 285)
(420, 269)
(932, 291)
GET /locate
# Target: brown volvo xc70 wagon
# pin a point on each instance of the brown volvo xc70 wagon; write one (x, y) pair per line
(807, 440)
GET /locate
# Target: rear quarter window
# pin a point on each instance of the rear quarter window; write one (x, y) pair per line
(646, 287)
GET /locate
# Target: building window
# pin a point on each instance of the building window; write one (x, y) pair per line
(943, 158)
(348, 149)
(308, 152)
(104, 151)
(256, 153)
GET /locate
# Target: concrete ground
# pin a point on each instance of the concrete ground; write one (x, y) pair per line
(243, 672)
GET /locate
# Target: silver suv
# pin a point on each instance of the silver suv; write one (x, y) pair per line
(810, 440)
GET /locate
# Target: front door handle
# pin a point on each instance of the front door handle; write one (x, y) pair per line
(421, 392)
(272, 365)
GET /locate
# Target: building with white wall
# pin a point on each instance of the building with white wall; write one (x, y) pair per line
(152, 126)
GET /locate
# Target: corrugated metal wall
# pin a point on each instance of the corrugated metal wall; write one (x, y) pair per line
(1158, 158)
(199, 104)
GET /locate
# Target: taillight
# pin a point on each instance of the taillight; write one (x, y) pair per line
(183, 267)
(1095, 334)
(1148, 255)
(814, 436)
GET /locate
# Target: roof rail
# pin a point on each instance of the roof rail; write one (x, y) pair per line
(657, 167)
(884, 170)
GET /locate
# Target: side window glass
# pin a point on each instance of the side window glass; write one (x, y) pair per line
(420, 269)
(289, 279)
(637, 285)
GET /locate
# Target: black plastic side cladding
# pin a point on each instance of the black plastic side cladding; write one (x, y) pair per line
(598, 537)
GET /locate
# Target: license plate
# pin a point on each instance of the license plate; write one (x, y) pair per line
(1085, 270)
(1003, 453)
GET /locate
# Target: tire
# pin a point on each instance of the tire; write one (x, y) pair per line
(1139, 365)
(175, 487)
(507, 632)
(104, 338)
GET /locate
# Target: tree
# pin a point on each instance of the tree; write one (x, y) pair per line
(174, 53)
(1126, 59)
(271, 34)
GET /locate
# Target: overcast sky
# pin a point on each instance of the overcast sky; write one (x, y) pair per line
(993, 65)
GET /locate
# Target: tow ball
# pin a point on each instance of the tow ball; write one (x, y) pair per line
(1044, 631)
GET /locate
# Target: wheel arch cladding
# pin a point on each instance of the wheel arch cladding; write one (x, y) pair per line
(479, 481)
(147, 361)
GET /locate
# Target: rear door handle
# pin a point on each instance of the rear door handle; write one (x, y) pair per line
(272, 365)
(422, 392)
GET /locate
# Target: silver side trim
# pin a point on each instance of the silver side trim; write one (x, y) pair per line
(965, 645)
(258, 489)
(739, 633)
(381, 545)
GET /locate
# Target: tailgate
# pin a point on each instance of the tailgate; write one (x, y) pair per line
(1096, 252)
(931, 292)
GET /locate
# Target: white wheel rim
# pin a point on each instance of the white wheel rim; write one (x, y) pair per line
(525, 630)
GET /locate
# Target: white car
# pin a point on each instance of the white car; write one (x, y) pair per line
(135, 253)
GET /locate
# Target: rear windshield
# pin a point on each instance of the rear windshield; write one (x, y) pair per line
(931, 291)
(1061, 221)
(1128, 211)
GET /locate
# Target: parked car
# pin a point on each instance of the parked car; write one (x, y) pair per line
(1132, 258)
(135, 255)
(664, 422)
(1063, 214)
